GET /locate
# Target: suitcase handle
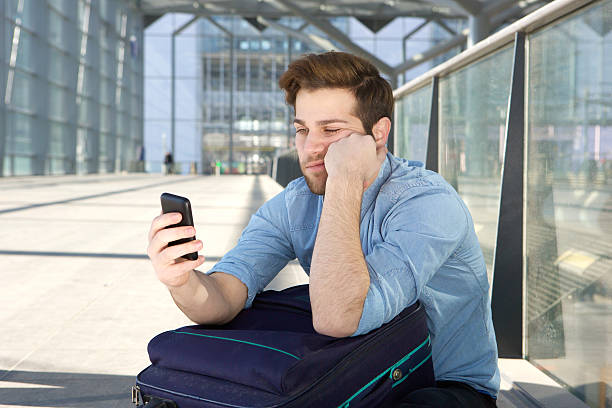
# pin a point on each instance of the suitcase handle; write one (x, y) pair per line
(150, 402)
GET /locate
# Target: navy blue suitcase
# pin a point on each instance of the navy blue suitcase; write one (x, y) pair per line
(270, 356)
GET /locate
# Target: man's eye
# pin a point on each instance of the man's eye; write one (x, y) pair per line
(300, 131)
(332, 131)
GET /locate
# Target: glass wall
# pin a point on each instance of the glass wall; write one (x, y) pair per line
(262, 120)
(4, 55)
(569, 203)
(473, 108)
(412, 124)
(568, 184)
(71, 86)
(262, 127)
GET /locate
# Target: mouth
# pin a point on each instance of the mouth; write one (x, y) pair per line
(316, 166)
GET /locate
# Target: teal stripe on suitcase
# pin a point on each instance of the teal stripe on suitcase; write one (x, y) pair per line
(390, 371)
(239, 341)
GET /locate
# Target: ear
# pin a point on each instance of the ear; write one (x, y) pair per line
(381, 130)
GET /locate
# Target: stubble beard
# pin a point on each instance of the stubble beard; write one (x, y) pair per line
(315, 181)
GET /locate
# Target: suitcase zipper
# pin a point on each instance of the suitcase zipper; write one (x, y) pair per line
(394, 373)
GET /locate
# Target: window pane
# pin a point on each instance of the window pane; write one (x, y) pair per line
(22, 90)
(56, 29)
(412, 121)
(59, 66)
(20, 134)
(569, 203)
(473, 105)
(58, 102)
(157, 99)
(56, 138)
(24, 46)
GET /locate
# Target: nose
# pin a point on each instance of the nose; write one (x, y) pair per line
(314, 143)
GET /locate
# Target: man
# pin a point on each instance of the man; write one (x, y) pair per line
(168, 163)
(374, 232)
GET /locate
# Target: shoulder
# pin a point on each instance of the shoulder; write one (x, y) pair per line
(295, 204)
(297, 187)
(297, 192)
(422, 197)
(411, 179)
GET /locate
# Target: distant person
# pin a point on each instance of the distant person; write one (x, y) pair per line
(141, 158)
(375, 232)
(168, 163)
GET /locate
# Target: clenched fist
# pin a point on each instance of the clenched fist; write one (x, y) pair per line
(355, 156)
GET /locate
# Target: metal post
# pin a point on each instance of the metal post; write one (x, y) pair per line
(3, 73)
(431, 161)
(507, 292)
(231, 101)
(173, 82)
(172, 93)
(391, 138)
(141, 81)
(289, 127)
(479, 28)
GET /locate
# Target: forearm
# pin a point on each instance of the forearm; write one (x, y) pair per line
(339, 278)
(204, 300)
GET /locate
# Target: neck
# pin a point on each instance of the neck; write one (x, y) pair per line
(381, 155)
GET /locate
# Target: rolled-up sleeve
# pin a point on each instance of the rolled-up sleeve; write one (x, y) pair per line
(418, 235)
(263, 249)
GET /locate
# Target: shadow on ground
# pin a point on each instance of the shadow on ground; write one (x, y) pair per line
(52, 389)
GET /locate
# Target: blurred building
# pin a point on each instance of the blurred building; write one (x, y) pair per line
(71, 86)
(204, 74)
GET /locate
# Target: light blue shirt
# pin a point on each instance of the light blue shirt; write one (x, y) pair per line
(418, 240)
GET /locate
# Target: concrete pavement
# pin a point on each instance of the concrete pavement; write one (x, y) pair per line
(79, 300)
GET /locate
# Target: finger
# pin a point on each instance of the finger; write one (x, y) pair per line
(162, 221)
(167, 235)
(200, 260)
(171, 253)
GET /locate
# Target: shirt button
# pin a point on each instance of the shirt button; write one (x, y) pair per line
(397, 374)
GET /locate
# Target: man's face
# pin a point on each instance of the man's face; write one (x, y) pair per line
(322, 117)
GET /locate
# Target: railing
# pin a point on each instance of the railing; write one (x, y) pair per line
(521, 125)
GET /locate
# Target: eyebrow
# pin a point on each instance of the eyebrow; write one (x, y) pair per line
(321, 122)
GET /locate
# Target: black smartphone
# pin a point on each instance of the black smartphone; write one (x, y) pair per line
(173, 203)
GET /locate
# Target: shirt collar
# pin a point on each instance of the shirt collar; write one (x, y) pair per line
(369, 196)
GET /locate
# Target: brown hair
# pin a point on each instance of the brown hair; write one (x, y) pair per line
(341, 70)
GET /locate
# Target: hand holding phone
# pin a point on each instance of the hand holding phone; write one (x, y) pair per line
(173, 203)
(172, 243)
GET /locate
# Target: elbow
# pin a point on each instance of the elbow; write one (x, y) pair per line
(344, 327)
